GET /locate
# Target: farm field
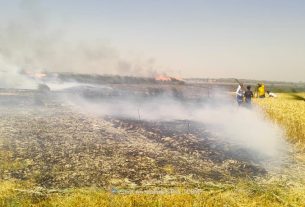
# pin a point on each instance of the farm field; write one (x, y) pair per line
(53, 156)
(152, 103)
(288, 111)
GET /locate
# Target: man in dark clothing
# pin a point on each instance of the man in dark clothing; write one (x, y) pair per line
(248, 95)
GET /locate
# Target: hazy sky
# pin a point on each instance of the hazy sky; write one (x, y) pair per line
(257, 39)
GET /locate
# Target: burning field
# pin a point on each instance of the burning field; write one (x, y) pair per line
(152, 104)
(57, 147)
(50, 142)
(134, 136)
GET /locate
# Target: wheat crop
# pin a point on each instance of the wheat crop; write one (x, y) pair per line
(289, 113)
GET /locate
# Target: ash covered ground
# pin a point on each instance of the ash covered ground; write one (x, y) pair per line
(45, 140)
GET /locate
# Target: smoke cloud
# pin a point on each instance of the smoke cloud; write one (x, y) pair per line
(245, 127)
(32, 42)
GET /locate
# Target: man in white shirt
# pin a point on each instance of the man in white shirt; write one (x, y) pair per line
(239, 94)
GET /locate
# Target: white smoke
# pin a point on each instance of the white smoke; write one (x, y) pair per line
(247, 127)
(239, 125)
(31, 41)
(11, 77)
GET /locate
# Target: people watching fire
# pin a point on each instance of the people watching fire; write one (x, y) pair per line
(244, 96)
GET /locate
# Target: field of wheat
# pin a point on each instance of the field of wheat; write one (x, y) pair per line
(287, 110)
(244, 193)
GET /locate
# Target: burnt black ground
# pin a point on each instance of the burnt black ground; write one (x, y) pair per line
(48, 143)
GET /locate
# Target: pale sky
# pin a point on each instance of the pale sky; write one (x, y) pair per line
(255, 39)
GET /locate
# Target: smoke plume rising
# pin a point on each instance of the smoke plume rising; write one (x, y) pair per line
(241, 126)
(32, 42)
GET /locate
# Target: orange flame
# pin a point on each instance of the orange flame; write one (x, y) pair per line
(39, 75)
(36, 75)
(167, 78)
(163, 78)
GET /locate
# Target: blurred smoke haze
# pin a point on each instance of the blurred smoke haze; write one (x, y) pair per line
(245, 127)
(244, 39)
(32, 42)
(29, 42)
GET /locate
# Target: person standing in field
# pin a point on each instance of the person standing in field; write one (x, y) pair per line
(240, 94)
(261, 90)
(248, 96)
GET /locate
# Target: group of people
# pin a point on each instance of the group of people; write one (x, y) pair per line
(245, 95)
